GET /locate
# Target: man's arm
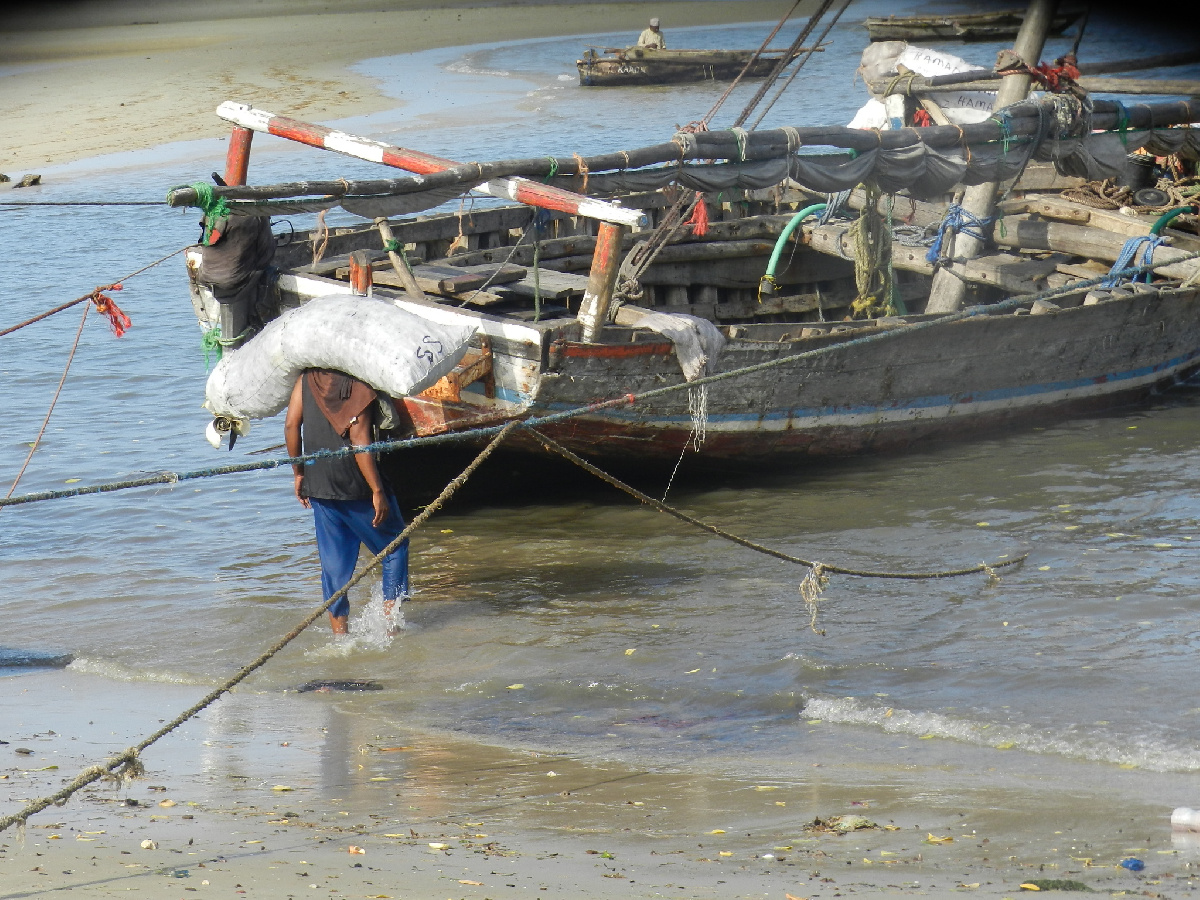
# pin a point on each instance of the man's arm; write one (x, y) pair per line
(360, 436)
(291, 433)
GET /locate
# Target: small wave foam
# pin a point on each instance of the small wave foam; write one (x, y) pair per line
(1137, 751)
(464, 67)
(117, 671)
(372, 629)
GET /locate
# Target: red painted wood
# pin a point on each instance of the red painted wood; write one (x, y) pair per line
(615, 351)
(529, 192)
(237, 158)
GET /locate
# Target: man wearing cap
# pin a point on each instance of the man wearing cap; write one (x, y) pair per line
(652, 38)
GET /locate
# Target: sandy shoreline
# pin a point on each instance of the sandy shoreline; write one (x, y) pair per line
(71, 93)
(265, 793)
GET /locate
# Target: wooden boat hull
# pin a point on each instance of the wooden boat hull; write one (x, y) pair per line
(974, 27)
(961, 379)
(670, 67)
(956, 380)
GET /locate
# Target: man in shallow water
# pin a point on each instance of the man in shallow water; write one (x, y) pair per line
(350, 501)
(652, 37)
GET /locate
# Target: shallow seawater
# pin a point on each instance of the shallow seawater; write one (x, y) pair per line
(592, 625)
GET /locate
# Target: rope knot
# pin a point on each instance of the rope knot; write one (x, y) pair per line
(107, 307)
(813, 583)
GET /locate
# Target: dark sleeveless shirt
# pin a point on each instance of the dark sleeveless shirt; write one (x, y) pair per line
(328, 479)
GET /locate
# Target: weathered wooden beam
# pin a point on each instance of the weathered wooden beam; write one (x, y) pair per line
(1035, 233)
(399, 264)
(593, 311)
(1145, 86)
(237, 157)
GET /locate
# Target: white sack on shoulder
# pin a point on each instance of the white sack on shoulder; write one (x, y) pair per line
(393, 350)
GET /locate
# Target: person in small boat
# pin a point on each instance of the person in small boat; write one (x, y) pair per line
(351, 502)
(652, 37)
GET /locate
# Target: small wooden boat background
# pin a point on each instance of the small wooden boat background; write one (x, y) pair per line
(642, 65)
(962, 27)
(565, 315)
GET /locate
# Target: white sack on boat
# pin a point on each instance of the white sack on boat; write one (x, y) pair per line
(393, 350)
(698, 342)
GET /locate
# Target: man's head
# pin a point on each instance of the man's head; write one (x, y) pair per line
(654, 24)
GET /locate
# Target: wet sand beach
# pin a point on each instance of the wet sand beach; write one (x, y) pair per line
(297, 795)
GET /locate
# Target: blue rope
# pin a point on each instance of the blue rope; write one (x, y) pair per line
(1146, 244)
(960, 221)
(626, 400)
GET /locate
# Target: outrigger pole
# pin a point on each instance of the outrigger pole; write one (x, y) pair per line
(521, 190)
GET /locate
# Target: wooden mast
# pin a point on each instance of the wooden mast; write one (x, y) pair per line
(948, 290)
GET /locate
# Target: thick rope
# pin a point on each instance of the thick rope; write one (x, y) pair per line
(778, 554)
(629, 399)
(1142, 244)
(16, 203)
(956, 221)
(93, 295)
(800, 65)
(129, 758)
(46, 421)
(746, 68)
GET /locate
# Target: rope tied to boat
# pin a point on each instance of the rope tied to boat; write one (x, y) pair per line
(1144, 245)
(957, 221)
(214, 208)
(127, 764)
(873, 276)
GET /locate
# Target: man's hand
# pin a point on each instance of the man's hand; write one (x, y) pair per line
(299, 477)
(382, 510)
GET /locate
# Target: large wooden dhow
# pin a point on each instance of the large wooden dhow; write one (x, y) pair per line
(574, 299)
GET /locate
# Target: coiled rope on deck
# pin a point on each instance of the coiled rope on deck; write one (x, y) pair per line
(127, 762)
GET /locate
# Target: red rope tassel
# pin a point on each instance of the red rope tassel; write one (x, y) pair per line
(699, 218)
(107, 307)
(922, 118)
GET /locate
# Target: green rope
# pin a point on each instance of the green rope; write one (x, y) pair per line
(214, 208)
(1006, 135)
(210, 343)
(553, 168)
(1122, 124)
(394, 246)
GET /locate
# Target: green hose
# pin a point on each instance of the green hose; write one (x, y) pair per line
(767, 284)
(1170, 214)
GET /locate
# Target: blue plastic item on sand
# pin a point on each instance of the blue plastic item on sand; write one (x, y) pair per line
(1132, 864)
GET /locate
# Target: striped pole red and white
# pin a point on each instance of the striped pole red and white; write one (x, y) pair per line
(523, 190)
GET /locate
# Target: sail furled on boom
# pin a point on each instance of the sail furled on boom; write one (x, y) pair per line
(1090, 142)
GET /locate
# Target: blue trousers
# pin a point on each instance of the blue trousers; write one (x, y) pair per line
(344, 524)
